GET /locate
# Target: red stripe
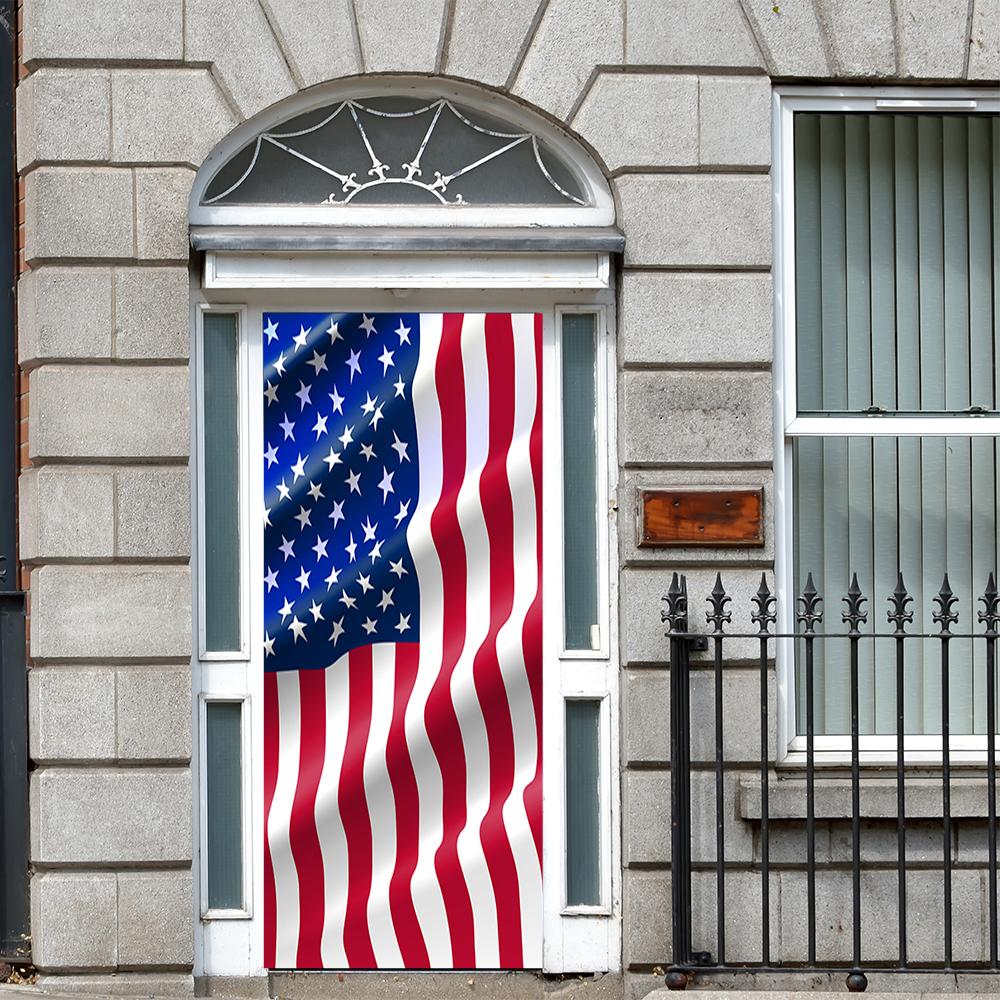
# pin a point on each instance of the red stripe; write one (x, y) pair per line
(302, 836)
(271, 742)
(439, 715)
(354, 812)
(407, 798)
(498, 514)
(531, 634)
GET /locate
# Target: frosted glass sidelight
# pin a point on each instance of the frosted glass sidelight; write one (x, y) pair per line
(224, 797)
(583, 803)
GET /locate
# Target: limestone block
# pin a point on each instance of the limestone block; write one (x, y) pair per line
(71, 714)
(151, 313)
(690, 33)
(486, 38)
(646, 805)
(697, 220)
(74, 920)
(64, 312)
(78, 212)
(695, 319)
(400, 34)
(66, 513)
(971, 842)
(740, 717)
(861, 36)
(124, 816)
(139, 29)
(236, 37)
(646, 919)
(641, 119)
(696, 417)
(63, 114)
(166, 115)
(932, 38)
(105, 412)
(742, 915)
(879, 844)
(153, 513)
(318, 37)
(738, 843)
(984, 41)
(161, 213)
(646, 716)
(572, 38)
(154, 713)
(154, 918)
(790, 35)
(734, 121)
(115, 612)
(124, 984)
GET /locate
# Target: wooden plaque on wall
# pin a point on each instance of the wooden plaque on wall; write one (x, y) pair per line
(689, 517)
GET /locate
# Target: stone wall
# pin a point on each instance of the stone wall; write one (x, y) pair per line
(119, 103)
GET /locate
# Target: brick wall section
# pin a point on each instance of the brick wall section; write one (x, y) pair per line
(122, 102)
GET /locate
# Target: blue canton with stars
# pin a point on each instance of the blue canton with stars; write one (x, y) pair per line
(340, 484)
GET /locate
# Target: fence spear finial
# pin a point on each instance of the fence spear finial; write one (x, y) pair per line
(990, 615)
(945, 600)
(676, 599)
(898, 615)
(764, 601)
(810, 613)
(855, 614)
(718, 600)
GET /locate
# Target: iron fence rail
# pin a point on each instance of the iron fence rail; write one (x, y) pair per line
(686, 959)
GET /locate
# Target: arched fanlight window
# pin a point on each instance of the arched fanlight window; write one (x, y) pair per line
(400, 152)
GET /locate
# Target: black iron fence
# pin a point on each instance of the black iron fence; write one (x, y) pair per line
(688, 957)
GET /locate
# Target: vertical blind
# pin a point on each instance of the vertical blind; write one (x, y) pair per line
(896, 223)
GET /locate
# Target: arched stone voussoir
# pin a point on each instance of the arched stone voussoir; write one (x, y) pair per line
(486, 39)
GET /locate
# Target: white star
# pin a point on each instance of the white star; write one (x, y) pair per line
(369, 404)
(279, 365)
(318, 362)
(376, 551)
(386, 358)
(271, 392)
(347, 600)
(345, 439)
(403, 332)
(404, 623)
(385, 485)
(377, 416)
(367, 324)
(268, 645)
(316, 612)
(271, 454)
(298, 630)
(283, 490)
(399, 385)
(288, 426)
(386, 599)
(320, 427)
(271, 579)
(333, 578)
(315, 491)
(334, 333)
(369, 529)
(303, 579)
(354, 363)
(404, 510)
(320, 549)
(351, 547)
(338, 631)
(298, 469)
(398, 568)
(368, 450)
(303, 395)
(338, 512)
(267, 517)
(366, 583)
(303, 336)
(271, 331)
(369, 626)
(303, 518)
(337, 400)
(400, 448)
(352, 480)
(285, 610)
(332, 459)
(287, 547)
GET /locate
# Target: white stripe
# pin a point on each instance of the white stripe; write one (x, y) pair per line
(463, 691)
(427, 899)
(286, 883)
(510, 649)
(381, 808)
(329, 825)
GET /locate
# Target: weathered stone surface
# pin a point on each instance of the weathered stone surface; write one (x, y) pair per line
(879, 841)
(646, 804)
(738, 845)
(318, 37)
(140, 29)
(151, 313)
(740, 716)
(154, 918)
(154, 713)
(698, 220)
(659, 127)
(128, 816)
(110, 612)
(742, 915)
(572, 38)
(400, 34)
(931, 35)
(791, 36)
(78, 212)
(74, 920)
(161, 213)
(166, 115)
(63, 114)
(103, 412)
(734, 121)
(126, 984)
(692, 319)
(486, 38)
(861, 36)
(984, 41)
(72, 714)
(690, 33)
(646, 716)
(676, 418)
(646, 929)
(66, 513)
(236, 37)
(64, 312)
(153, 513)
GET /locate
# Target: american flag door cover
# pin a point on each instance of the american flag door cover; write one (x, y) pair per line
(402, 640)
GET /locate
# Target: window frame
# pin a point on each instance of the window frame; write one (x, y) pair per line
(788, 425)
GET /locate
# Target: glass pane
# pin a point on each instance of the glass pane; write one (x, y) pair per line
(879, 506)
(221, 484)
(583, 803)
(579, 388)
(224, 794)
(894, 262)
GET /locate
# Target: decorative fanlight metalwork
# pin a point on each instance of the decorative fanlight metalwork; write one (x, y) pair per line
(353, 143)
